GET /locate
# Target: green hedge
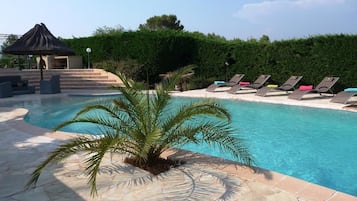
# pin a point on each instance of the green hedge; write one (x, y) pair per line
(315, 58)
(162, 51)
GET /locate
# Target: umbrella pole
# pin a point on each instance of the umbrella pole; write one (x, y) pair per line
(42, 65)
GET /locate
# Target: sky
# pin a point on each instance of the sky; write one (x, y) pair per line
(232, 19)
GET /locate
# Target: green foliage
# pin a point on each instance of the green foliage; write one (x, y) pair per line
(315, 58)
(108, 30)
(16, 61)
(264, 39)
(162, 22)
(9, 61)
(9, 41)
(155, 52)
(129, 67)
(144, 126)
(6, 62)
(161, 51)
(216, 37)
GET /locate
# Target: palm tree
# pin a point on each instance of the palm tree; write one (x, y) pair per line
(140, 124)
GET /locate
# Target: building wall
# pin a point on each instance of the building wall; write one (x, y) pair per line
(61, 62)
(75, 62)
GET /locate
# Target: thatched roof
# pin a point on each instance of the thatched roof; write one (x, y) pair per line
(38, 41)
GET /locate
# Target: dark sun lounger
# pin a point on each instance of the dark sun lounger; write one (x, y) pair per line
(257, 84)
(323, 87)
(289, 85)
(233, 81)
(344, 96)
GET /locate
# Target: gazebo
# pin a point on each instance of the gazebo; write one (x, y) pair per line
(39, 41)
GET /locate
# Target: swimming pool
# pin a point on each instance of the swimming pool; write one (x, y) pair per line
(316, 145)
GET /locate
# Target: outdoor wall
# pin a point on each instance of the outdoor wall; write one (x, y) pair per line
(61, 62)
(75, 62)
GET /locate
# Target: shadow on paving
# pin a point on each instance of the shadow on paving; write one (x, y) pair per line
(21, 150)
(199, 158)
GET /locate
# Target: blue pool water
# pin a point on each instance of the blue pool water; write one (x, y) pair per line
(316, 145)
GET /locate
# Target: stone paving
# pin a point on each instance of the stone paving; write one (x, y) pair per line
(23, 147)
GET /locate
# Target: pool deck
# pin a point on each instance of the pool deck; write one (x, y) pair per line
(23, 146)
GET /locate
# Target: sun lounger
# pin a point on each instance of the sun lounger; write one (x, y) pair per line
(344, 96)
(323, 87)
(257, 84)
(233, 81)
(289, 85)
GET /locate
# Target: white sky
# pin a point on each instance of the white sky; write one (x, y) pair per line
(244, 19)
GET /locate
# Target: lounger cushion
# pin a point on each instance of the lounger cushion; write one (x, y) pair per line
(219, 82)
(305, 87)
(272, 85)
(244, 83)
(351, 90)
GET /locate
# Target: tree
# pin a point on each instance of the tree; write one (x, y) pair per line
(139, 124)
(264, 39)
(9, 41)
(162, 22)
(9, 61)
(216, 37)
(108, 30)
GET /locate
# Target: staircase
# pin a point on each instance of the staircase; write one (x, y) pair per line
(70, 78)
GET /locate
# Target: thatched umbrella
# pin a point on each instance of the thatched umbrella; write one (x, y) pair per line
(38, 41)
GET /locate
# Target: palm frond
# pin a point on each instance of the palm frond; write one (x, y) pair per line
(216, 134)
(99, 148)
(221, 135)
(150, 140)
(127, 83)
(190, 111)
(142, 125)
(134, 109)
(107, 108)
(97, 120)
(170, 82)
(61, 152)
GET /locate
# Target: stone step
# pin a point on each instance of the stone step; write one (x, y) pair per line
(65, 84)
(97, 86)
(74, 79)
(92, 79)
(64, 74)
(70, 78)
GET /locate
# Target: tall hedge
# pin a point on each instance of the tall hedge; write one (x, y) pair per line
(317, 57)
(163, 51)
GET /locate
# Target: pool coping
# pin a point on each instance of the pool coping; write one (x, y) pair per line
(297, 187)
